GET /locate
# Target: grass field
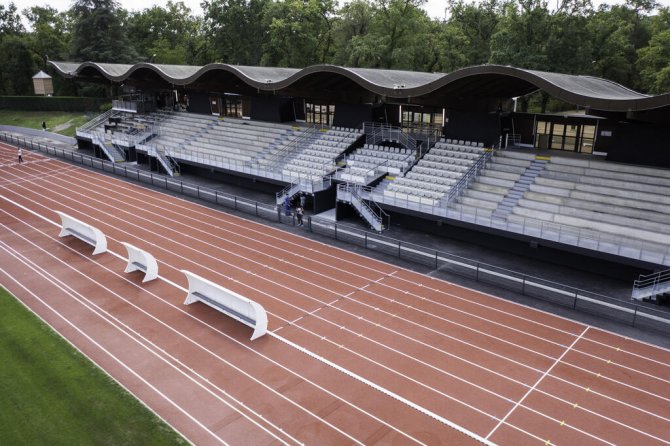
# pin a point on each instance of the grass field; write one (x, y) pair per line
(51, 394)
(64, 123)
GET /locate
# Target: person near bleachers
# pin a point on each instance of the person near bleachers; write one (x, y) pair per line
(44, 126)
(299, 214)
(287, 206)
(20, 153)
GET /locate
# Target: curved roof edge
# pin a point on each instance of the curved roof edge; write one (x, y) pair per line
(586, 91)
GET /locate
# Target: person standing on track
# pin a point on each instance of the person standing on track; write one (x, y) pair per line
(20, 153)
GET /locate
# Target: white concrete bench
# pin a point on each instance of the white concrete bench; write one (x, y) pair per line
(140, 260)
(228, 302)
(83, 231)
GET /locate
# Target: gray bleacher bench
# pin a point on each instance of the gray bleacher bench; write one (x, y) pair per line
(228, 302)
(83, 231)
(140, 260)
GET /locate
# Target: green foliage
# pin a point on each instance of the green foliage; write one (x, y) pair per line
(236, 30)
(52, 394)
(18, 66)
(54, 103)
(99, 34)
(299, 33)
(165, 35)
(625, 43)
(10, 21)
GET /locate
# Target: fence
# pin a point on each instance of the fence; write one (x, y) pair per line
(629, 313)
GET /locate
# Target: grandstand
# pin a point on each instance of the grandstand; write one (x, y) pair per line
(405, 148)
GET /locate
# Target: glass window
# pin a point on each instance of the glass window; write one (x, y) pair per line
(233, 106)
(319, 113)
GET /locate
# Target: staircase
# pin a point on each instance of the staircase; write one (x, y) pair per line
(110, 151)
(520, 187)
(369, 210)
(651, 285)
(169, 164)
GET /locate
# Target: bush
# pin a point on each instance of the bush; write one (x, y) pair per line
(52, 103)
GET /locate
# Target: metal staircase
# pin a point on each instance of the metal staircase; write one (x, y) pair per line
(110, 151)
(520, 187)
(376, 133)
(166, 161)
(651, 285)
(366, 208)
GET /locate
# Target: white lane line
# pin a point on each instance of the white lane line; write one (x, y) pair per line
(240, 344)
(323, 337)
(145, 343)
(298, 248)
(385, 391)
(558, 360)
(111, 355)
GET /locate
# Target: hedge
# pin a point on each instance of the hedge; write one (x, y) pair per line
(51, 103)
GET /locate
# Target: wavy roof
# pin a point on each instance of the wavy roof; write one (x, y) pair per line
(492, 80)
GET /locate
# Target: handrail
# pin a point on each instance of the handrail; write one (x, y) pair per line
(654, 279)
(462, 184)
(376, 132)
(100, 142)
(374, 210)
(291, 145)
(97, 120)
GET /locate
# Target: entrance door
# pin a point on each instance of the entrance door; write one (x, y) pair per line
(215, 104)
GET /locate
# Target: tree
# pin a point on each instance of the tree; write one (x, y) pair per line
(477, 22)
(166, 35)
(299, 33)
(99, 34)
(353, 23)
(522, 35)
(398, 36)
(17, 68)
(568, 45)
(236, 30)
(10, 21)
(50, 37)
(653, 61)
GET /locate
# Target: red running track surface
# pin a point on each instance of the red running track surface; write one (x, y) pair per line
(358, 351)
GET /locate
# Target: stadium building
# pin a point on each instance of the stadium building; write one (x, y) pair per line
(444, 153)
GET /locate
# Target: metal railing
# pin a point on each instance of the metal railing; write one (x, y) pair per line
(629, 313)
(469, 176)
(366, 206)
(376, 132)
(291, 146)
(111, 153)
(84, 129)
(651, 285)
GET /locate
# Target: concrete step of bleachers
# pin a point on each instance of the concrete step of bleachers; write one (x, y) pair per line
(658, 214)
(611, 171)
(580, 223)
(517, 155)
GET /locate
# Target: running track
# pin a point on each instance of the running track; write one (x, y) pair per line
(358, 351)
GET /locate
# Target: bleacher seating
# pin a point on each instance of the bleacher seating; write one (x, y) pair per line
(317, 157)
(368, 162)
(622, 200)
(430, 180)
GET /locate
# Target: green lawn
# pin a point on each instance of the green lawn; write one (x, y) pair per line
(64, 123)
(50, 394)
